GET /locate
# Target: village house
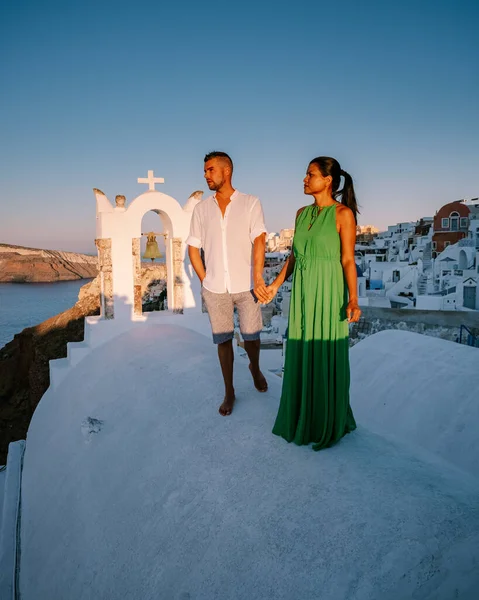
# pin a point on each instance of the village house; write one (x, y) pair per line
(451, 224)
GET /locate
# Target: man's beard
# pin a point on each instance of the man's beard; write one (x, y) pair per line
(214, 187)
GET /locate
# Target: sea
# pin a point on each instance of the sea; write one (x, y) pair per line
(26, 304)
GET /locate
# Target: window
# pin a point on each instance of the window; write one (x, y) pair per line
(454, 218)
(464, 222)
(445, 223)
(446, 244)
(434, 245)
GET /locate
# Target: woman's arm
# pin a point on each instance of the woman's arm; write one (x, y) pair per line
(286, 271)
(347, 233)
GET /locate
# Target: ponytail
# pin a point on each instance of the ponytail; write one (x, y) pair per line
(348, 196)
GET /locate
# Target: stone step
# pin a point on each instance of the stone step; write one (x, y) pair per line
(76, 351)
(422, 285)
(58, 371)
(98, 330)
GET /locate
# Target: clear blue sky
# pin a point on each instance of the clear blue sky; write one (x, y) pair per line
(96, 93)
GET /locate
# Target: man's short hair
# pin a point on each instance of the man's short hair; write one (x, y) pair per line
(222, 155)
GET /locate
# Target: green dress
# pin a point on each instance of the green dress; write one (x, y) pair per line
(314, 403)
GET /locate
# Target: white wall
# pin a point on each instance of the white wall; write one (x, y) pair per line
(407, 283)
(429, 303)
(384, 271)
(361, 287)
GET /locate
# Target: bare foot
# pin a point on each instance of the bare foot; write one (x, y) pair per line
(227, 407)
(259, 379)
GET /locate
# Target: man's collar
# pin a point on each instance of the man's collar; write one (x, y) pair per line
(234, 195)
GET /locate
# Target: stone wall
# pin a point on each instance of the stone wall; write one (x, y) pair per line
(436, 323)
(106, 277)
(136, 254)
(176, 248)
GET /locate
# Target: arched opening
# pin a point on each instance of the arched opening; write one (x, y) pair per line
(161, 214)
(462, 260)
(154, 266)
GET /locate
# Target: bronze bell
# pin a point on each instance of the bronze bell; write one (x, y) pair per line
(152, 251)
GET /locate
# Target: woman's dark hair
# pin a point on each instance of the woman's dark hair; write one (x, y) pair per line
(330, 166)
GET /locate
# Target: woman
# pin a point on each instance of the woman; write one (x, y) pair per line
(315, 397)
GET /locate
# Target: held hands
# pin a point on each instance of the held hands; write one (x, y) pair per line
(353, 312)
(265, 293)
(272, 290)
(260, 291)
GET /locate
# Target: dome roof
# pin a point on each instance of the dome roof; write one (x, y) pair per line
(134, 487)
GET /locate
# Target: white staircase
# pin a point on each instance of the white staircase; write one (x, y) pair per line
(427, 257)
(422, 280)
(422, 285)
(94, 336)
(97, 332)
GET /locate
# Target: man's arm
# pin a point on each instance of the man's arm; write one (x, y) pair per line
(197, 263)
(195, 242)
(258, 239)
(259, 248)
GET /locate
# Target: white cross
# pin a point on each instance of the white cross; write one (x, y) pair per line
(151, 180)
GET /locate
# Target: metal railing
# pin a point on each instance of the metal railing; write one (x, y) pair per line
(363, 326)
(467, 337)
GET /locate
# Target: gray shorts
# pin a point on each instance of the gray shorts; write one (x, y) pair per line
(220, 309)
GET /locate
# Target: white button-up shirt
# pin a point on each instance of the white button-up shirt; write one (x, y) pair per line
(227, 241)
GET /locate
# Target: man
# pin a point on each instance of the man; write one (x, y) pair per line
(229, 227)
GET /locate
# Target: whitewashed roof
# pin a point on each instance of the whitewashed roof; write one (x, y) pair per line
(134, 487)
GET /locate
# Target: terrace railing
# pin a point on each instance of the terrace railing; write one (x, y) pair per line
(467, 337)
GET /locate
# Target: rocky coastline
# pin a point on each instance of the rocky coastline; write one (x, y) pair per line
(19, 264)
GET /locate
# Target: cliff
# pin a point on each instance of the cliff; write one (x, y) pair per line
(31, 265)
